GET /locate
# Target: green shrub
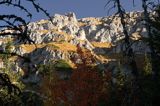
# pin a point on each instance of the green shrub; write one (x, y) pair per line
(62, 65)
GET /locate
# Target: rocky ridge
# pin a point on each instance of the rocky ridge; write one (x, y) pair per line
(86, 31)
(59, 39)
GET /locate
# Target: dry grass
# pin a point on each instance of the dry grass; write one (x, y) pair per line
(101, 44)
(31, 47)
(13, 58)
(97, 22)
(65, 46)
(60, 46)
(6, 40)
(81, 24)
(104, 59)
(73, 65)
(43, 31)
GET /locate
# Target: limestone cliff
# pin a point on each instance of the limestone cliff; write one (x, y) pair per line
(59, 39)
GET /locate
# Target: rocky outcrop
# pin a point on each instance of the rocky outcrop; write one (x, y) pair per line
(69, 29)
(47, 54)
(101, 36)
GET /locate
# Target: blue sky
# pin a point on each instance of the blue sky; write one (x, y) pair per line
(82, 8)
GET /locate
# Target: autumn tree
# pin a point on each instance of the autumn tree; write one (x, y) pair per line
(85, 87)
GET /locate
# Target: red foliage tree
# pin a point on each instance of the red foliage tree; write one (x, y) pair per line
(85, 87)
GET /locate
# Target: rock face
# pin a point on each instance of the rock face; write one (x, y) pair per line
(69, 29)
(101, 35)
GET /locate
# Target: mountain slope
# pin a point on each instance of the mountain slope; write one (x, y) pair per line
(61, 38)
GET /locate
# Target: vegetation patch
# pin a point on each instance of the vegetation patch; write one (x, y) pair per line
(62, 65)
